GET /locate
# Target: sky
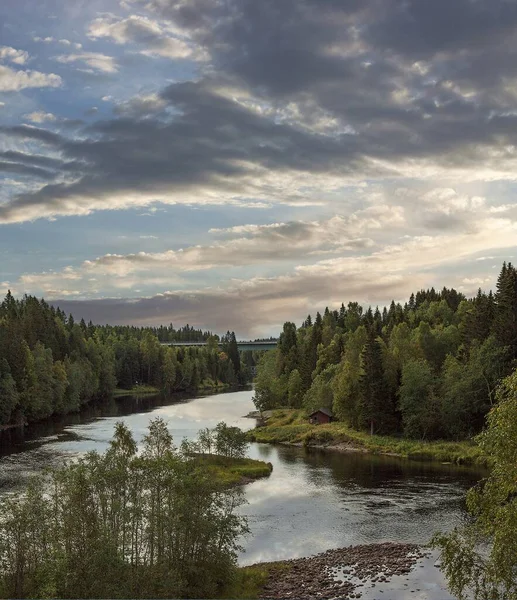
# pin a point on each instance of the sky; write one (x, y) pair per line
(234, 164)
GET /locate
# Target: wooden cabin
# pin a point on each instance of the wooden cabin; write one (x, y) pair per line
(322, 415)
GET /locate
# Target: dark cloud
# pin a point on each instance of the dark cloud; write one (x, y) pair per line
(270, 301)
(420, 29)
(28, 132)
(209, 140)
(32, 159)
(320, 86)
(20, 169)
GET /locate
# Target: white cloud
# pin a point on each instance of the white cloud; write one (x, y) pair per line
(19, 57)
(40, 116)
(143, 31)
(256, 244)
(140, 105)
(95, 60)
(14, 81)
(448, 201)
(63, 41)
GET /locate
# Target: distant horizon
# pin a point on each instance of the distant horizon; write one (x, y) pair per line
(274, 334)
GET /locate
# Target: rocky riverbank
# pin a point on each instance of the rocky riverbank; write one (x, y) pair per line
(342, 573)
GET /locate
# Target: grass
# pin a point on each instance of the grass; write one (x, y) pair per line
(210, 384)
(291, 426)
(249, 581)
(137, 390)
(233, 471)
(140, 390)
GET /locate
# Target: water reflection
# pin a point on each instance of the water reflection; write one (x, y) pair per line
(312, 501)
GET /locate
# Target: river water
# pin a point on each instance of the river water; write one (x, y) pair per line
(312, 501)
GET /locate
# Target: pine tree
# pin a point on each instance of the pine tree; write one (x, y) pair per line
(377, 412)
(505, 318)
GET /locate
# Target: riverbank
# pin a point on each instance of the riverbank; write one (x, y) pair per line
(141, 390)
(339, 573)
(289, 426)
(137, 390)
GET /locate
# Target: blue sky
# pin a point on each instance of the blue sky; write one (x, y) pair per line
(237, 164)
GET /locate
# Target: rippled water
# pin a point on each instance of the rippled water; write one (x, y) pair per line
(312, 501)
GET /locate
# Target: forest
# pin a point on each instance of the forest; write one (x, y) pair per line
(51, 365)
(427, 369)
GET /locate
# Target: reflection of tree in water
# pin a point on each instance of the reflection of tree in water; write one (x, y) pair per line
(373, 472)
(21, 439)
(264, 450)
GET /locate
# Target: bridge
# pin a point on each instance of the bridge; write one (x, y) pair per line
(269, 345)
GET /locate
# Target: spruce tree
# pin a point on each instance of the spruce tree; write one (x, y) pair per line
(505, 318)
(377, 411)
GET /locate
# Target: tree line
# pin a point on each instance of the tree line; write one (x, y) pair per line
(427, 369)
(50, 364)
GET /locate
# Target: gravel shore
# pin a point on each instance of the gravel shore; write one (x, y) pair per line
(341, 573)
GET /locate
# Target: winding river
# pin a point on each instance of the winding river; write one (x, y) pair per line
(313, 500)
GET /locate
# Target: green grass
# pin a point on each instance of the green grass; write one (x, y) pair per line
(139, 390)
(210, 384)
(136, 390)
(232, 471)
(249, 581)
(291, 426)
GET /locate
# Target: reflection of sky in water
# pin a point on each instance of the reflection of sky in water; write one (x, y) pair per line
(424, 582)
(311, 502)
(315, 501)
(184, 420)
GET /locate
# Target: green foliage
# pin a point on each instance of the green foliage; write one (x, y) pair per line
(58, 365)
(270, 387)
(292, 426)
(426, 370)
(230, 441)
(480, 558)
(295, 389)
(122, 525)
(8, 393)
(419, 402)
(320, 394)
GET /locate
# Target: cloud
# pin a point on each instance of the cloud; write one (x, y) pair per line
(19, 57)
(144, 32)
(281, 243)
(296, 101)
(270, 301)
(40, 116)
(371, 278)
(139, 106)
(14, 81)
(216, 152)
(370, 274)
(64, 42)
(95, 60)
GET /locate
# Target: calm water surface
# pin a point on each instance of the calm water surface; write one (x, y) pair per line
(312, 501)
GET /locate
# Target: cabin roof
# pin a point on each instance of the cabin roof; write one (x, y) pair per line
(325, 411)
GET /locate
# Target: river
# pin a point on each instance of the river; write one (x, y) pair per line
(312, 501)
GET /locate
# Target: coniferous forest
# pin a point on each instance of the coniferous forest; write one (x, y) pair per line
(427, 369)
(51, 365)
